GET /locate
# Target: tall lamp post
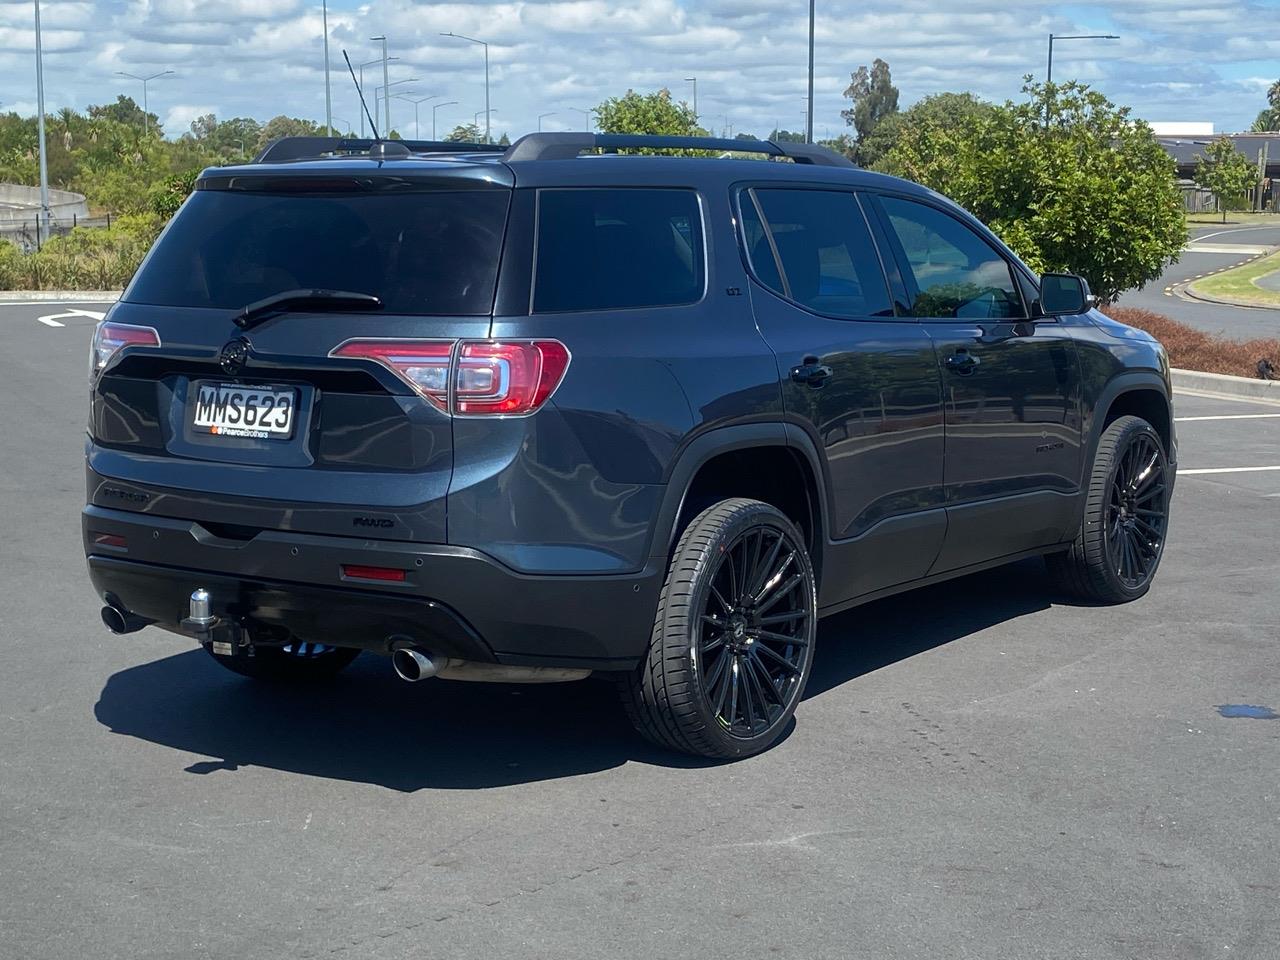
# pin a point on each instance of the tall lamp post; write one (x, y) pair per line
(434, 108)
(1048, 77)
(541, 115)
(328, 93)
(368, 63)
(42, 224)
(146, 110)
(808, 112)
(386, 117)
(417, 135)
(487, 137)
(586, 116)
(694, 81)
(386, 94)
(476, 122)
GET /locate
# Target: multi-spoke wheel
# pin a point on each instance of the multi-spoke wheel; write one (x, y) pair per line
(296, 660)
(1121, 539)
(733, 639)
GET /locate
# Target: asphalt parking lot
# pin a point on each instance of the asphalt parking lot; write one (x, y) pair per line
(979, 769)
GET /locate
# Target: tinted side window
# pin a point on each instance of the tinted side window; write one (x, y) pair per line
(829, 261)
(613, 249)
(958, 274)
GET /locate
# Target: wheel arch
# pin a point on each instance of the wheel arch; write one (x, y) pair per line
(761, 461)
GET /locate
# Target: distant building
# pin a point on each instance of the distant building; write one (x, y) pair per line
(1262, 149)
(1179, 128)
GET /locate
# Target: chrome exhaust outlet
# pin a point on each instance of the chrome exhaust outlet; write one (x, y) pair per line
(120, 621)
(413, 665)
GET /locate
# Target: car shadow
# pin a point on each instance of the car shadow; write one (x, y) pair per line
(365, 725)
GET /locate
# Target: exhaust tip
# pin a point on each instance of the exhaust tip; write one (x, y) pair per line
(413, 665)
(121, 621)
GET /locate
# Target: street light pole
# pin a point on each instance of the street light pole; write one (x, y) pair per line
(586, 117)
(42, 224)
(434, 108)
(417, 134)
(541, 115)
(1048, 78)
(368, 63)
(386, 116)
(808, 118)
(328, 93)
(487, 130)
(476, 123)
(694, 81)
(146, 109)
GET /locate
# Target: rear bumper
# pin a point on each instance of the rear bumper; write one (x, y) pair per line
(455, 601)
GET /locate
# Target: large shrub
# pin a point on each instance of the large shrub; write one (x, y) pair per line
(85, 259)
(1067, 179)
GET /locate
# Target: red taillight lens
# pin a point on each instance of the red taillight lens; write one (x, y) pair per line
(507, 377)
(489, 377)
(390, 574)
(423, 364)
(110, 337)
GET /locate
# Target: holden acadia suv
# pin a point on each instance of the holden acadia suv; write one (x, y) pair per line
(528, 414)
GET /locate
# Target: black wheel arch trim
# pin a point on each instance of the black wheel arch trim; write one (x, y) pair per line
(704, 447)
(1131, 381)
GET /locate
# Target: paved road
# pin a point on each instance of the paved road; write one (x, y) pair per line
(1237, 322)
(979, 769)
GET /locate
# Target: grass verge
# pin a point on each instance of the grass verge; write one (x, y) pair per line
(1238, 284)
(1234, 219)
(1192, 349)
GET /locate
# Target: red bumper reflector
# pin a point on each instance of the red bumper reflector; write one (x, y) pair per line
(110, 540)
(372, 573)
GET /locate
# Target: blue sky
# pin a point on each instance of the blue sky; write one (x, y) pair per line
(1205, 60)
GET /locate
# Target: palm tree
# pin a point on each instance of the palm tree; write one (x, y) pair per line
(1273, 94)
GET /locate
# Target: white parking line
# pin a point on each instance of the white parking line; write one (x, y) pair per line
(1228, 416)
(54, 319)
(1226, 470)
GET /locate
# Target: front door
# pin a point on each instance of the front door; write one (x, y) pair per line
(859, 380)
(1011, 388)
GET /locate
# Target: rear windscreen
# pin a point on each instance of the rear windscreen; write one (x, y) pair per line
(420, 253)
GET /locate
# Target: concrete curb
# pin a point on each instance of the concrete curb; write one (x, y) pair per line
(59, 296)
(1223, 385)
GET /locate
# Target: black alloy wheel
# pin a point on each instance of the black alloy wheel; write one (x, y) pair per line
(1137, 511)
(733, 640)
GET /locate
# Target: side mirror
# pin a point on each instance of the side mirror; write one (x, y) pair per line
(1063, 294)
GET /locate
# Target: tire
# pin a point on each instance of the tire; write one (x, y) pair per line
(1118, 547)
(738, 611)
(294, 662)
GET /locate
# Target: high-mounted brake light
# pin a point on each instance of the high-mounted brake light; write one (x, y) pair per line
(480, 377)
(110, 337)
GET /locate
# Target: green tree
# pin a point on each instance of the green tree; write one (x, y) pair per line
(1226, 173)
(1066, 178)
(283, 126)
(465, 133)
(959, 111)
(872, 96)
(653, 113)
(126, 111)
(787, 136)
(1269, 118)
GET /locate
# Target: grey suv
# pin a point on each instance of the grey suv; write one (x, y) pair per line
(533, 413)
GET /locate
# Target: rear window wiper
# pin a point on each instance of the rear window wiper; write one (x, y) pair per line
(260, 310)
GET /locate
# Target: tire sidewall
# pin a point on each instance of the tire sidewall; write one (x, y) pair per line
(1124, 438)
(749, 516)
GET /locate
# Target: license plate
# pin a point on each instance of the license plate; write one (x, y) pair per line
(231, 410)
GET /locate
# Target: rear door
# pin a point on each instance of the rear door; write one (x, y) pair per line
(861, 381)
(306, 419)
(1011, 387)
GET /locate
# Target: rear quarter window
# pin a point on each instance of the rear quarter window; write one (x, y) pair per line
(614, 249)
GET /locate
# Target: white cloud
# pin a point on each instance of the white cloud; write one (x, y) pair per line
(263, 57)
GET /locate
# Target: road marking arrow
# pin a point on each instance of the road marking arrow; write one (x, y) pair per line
(55, 319)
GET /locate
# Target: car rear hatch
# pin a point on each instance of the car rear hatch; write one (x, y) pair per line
(308, 413)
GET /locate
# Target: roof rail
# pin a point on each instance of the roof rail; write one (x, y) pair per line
(565, 146)
(286, 149)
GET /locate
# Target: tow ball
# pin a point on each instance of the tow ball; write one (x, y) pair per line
(222, 636)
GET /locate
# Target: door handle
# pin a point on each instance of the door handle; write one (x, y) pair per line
(962, 362)
(811, 372)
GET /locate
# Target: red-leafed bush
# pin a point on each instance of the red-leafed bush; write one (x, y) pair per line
(1193, 349)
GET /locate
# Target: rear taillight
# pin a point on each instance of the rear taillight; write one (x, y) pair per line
(422, 364)
(110, 337)
(479, 377)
